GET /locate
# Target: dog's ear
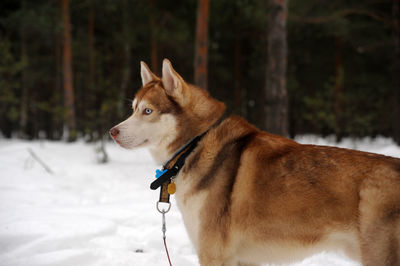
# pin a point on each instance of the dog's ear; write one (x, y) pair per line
(146, 74)
(173, 83)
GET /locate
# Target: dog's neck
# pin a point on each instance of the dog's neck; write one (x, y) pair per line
(164, 151)
(160, 154)
(167, 148)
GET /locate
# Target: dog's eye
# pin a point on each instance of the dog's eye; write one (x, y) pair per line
(147, 111)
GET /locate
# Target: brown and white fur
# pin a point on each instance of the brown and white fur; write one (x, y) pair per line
(249, 197)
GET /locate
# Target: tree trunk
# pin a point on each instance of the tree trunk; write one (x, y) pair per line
(23, 120)
(70, 126)
(92, 57)
(276, 99)
(126, 69)
(91, 94)
(58, 53)
(154, 55)
(238, 74)
(200, 61)
(153, 40)
(338, 89)
(396, 71)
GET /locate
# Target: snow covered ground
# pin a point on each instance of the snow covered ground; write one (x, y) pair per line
(88, 213)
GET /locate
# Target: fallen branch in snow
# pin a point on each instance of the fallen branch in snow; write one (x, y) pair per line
(34, 156)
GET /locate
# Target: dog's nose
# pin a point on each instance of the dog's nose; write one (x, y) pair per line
(114, 132)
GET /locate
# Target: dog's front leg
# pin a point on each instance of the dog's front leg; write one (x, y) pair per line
(215, 250)
(207, 260)
(212, 256)
(221, 262)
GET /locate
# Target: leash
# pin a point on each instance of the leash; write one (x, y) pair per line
(165, 181)
(168, 187)
(164, 227)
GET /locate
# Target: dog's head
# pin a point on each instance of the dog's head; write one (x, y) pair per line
(167, 112)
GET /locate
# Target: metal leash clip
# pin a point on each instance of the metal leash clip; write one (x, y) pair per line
(163, 210)
(164, 227)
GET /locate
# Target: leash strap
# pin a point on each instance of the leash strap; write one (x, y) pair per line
(164, 195)
(164, 230)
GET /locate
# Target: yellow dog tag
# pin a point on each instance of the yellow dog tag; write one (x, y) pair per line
(172, 188)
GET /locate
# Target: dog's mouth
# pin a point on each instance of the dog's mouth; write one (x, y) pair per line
(143, 143)
(129, 145)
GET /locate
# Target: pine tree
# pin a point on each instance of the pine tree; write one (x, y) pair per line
(276, 101)
(201, 49)
(68, 79)
(396, 71)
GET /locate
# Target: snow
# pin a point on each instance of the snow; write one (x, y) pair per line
(88, 213)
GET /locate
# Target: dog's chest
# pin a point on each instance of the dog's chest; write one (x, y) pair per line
(190, 206)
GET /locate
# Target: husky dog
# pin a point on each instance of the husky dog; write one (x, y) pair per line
(249, 197)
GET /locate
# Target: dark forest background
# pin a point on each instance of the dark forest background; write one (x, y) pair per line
(73, 66)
